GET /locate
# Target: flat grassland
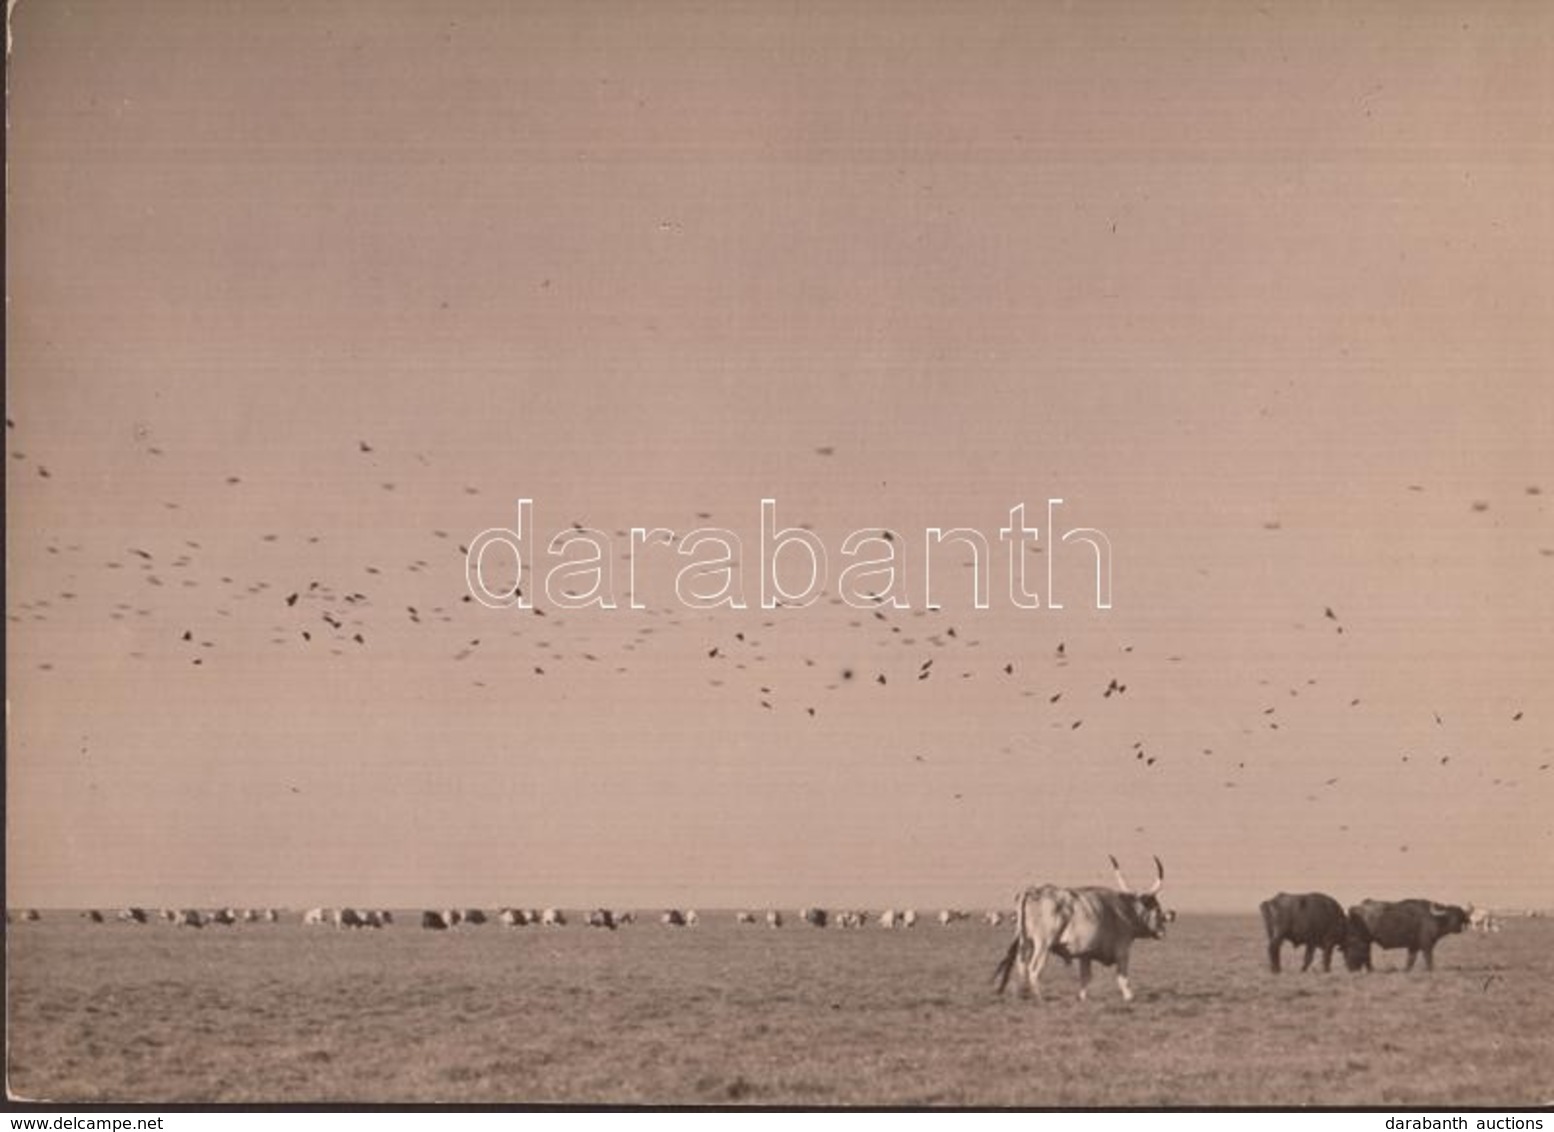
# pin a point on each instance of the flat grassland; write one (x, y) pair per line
(726, 1014)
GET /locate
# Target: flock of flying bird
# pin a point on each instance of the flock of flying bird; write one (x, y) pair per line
(196, 615)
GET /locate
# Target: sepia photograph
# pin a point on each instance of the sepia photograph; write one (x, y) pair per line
(780, 554)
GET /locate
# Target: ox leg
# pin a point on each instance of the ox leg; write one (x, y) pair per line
(1327, 958)
(1311, 952)
(1122, 977)
(1023, 956)
(1412, 955)
(1274, 946)
(1429, 956)
(1084, 979)
(1033, 971)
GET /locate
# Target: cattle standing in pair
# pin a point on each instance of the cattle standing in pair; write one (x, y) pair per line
(1313, 920)
(1092, 925)
(1417, 925)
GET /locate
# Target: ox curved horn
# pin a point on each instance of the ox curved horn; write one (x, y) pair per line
(1159, 878)
(1122, 883)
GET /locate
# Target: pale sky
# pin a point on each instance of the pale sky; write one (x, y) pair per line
(1264, 293)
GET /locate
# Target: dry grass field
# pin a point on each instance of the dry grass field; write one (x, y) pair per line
(723, 1014)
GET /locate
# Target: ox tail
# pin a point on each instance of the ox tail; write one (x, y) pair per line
(1005, 967)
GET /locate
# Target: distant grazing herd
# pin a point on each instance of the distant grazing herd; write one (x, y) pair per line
(1092, 925)
(445, 919)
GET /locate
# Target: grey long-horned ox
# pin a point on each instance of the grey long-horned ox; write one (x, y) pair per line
(1092, 924)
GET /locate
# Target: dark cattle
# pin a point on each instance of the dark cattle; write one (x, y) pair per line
(434, 922)
(1417, 925)
(673, 918)
(1092, 925)
(93, 915)
(1311, 920)
(602, 918)
(474, 916)
(816, 917)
